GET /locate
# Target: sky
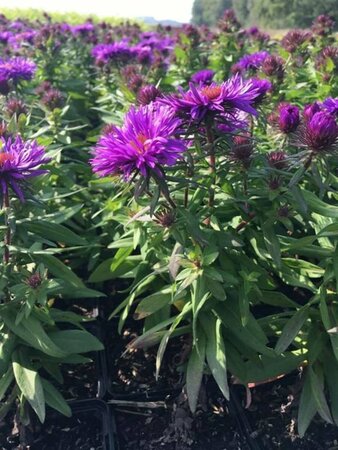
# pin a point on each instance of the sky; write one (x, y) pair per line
(179, 10)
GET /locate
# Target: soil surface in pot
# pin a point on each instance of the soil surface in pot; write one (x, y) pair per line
(174, 427)
(132, 371)
(81, 431)
(273, 418)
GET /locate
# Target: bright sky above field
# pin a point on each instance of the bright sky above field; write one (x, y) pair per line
(179, 10)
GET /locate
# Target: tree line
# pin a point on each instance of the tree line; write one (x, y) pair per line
(266, 13)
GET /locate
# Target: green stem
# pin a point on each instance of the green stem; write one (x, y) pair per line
(212, 163)
(7, 240)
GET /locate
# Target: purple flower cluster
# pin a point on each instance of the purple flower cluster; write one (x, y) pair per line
(19, 161)
(17, 68)
(149, 46)
(251, 61)
(145, 143)
(117, 51)
(203, 76)
(227, 98)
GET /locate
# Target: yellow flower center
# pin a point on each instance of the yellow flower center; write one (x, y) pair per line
(211, 91)
(139, 143)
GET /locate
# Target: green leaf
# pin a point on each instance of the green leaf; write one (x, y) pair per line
(266, 367)
(307, 407)
(317, 389)
(153, 303)
(120, 256)
(276, 298)
(195, 372)
(7, 344)
(54, 232)
(5, 382)
(215, 351)
(60, 270)
(76, 341)
(331, 375)
(54, 399)
(29, 383)
(291, 329)
(30, 331)
(272, 243)
(199, 296)
(164, 341)
(318, 206)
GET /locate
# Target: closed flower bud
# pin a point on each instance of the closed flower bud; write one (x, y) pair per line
(289, 118)
(277, 160)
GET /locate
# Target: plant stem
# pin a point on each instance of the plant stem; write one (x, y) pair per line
(7, 240)
(212, 163)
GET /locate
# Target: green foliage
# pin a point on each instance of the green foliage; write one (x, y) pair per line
(208, 12)
(270, 14)
(69, 17)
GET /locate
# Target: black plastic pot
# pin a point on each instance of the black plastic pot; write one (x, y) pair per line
(244, 427)
(99, 409)
(100, 358)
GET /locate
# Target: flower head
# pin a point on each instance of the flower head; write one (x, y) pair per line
(216, 99)
(294, 39)
(203, 76)
(17, 68)
(252, 61)
(273, 65)
(145, 143)
(310, 110)
(320, 133)
(331, 105)
(19, 161)
(289, 118)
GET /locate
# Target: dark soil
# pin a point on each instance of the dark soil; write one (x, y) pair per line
(174, 428)
(132, 371)
(82, 431)
(80, 381)
(273, 418)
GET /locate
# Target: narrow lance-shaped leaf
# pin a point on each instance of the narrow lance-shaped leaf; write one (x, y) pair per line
(291, 329)
(29, 383)
(195, 372)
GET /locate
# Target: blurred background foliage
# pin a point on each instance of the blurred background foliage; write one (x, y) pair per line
(265, 13)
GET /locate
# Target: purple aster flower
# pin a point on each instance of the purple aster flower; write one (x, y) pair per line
(17, 68)
(263, 87)
(320, 133)
(310, 110)
(252, 61)
(226, 98)
(83, 28)
(289, 117)
(331, 105)
(145, 143)
(117, 51)
(19, 160)
(203, 76)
